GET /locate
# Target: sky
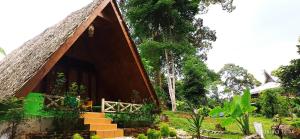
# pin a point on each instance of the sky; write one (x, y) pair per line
(258, 35)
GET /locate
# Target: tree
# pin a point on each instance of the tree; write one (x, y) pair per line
(2, 51)
(167, 28)
(236, 78)
(289, 75)
(238, 110)
(13, 114)
(272, 103)
(197, 77)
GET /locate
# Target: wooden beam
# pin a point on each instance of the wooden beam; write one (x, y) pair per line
(134, 52)
(55, 57)
(104, 17)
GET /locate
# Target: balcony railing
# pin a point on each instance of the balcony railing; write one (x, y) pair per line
(113, 107)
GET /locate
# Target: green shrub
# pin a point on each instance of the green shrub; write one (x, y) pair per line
(142, 136)
(153, 134)
(272, 103)
(173, 132)
(77, 136)
(295, 103)
(165, 130)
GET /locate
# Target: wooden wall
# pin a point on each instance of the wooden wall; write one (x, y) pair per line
(112, 71)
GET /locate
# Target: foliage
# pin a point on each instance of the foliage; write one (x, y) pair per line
(142, 136)
(13, 113)
(145, 117)
(66, 120)
(238, 110)
(181, 105)
(195, 121)
(296, 124)
(169, 27)
(295, 104)
(289, 76)
(236, 78)
(161, 94)
(153, 134)
(173, 132)
(204, 110)
(165, 130)
(179, 120)
(59, 85)
(77, 136)
(197, 77)
(66, 116)
(272, 103)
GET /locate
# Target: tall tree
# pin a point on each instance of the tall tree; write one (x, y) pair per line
(236, 78)
(169, 29)
(197, 77)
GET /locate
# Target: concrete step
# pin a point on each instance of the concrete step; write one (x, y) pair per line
(97, 121)
(110, 133)
(93, 115)
(95, 127)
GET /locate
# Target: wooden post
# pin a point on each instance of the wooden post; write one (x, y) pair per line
(103, 105)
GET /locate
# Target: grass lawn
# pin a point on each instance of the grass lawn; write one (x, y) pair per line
(178, 120)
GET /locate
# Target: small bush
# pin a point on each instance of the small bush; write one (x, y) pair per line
(153, 134)
(165, 130)
(77, 136)
(142, 136)
(173, 132)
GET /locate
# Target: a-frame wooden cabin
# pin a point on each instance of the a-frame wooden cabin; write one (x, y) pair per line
(92, 46)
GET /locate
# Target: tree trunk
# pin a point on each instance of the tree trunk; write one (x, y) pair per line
(170, 69)
(158, 80)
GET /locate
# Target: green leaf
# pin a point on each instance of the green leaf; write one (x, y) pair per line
(226, 108)
(237, 111)
(216, 112)
(252, 108)
(245, 101)
(234, 103)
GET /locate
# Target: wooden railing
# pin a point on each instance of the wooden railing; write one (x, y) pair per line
(53, 101)
(111, 106)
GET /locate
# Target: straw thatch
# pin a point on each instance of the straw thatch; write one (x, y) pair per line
(23, 63)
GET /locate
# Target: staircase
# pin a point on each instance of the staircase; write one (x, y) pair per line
(101, 125)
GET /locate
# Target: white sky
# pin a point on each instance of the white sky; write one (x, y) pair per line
(259, 34)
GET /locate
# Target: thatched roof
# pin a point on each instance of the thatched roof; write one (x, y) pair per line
(23, 63)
